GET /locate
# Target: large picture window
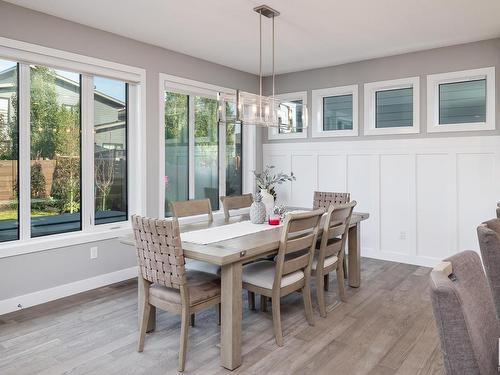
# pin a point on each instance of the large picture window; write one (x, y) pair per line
(9, 151)
(67, 167)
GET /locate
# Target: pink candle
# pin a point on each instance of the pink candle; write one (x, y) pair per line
(274, 219)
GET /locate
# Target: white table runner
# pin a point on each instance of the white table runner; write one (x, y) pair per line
(225, 232)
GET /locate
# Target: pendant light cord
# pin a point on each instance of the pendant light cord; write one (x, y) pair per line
(260, 61)
(273, 56)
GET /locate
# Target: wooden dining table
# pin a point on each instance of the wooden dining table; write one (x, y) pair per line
(232, 253)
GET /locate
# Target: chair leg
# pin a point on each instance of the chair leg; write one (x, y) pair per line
(263, 303)
(145, 311)
(320, 291)
(340, 283)
(192, 320)
(218, 314)
(306, 294)
(326, 279)
(344, 267)
(251, 300)
(278, 333)
(184, 337)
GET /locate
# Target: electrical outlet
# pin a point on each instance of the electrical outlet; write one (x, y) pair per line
(402, 235)
(93, 252)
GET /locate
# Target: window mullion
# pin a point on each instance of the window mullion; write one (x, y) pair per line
(24, 189)
(87, 155)
(191, 162)
(221, 129)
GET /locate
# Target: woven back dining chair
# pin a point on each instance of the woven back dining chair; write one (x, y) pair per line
(330, 256)
(163, 280)
(323, 199)
(234, 203)
(278, 279)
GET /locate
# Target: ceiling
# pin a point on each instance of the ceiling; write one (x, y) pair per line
(309, 34)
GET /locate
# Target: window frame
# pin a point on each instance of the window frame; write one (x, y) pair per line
(317, 111)
(274, 134)
(370, 90)
(433, 82)
(192, 88)
(27, 54)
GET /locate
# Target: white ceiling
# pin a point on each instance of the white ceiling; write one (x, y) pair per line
(309, 34)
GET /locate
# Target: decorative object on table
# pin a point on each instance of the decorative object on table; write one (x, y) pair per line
(266, 181)
(274, 219)
(280, 210)
(257, 210)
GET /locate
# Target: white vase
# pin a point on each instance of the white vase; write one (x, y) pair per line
(268, 201)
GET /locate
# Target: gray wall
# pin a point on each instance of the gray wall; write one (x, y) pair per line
(448, 59)
(28, 273)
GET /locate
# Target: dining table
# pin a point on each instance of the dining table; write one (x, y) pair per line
(232, 253)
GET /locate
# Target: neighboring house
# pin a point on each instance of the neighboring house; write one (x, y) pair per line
(109, 113)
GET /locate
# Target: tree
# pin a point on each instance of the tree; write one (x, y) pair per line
(104, 167)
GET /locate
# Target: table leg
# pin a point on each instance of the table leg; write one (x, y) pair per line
(231, 315)
(354, 263)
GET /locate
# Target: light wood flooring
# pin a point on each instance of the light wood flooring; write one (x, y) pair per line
(385, 327)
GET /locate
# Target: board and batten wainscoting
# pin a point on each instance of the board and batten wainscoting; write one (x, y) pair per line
(425, 196)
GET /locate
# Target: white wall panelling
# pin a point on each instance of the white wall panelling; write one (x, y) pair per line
(425, 196)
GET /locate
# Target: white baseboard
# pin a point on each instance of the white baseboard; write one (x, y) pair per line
(400, 258)
(46, 295)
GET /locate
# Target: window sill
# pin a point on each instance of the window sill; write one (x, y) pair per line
(57, 241)
(463, 127)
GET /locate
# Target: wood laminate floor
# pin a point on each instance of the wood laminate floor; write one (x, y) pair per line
(385, 327)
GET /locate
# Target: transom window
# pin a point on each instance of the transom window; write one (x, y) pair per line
(461, 101)
(335, 111)
(392, 107)
(291, 117)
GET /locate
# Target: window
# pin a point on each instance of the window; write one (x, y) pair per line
(392, 107)
(461, 101)
(202, 156)
(335, 112)
(110, 150)
(234, 144)
(176, 149)
(291, 117)
(9, 156)
(55, 151)
(64, 150)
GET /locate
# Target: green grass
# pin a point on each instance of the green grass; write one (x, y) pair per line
(11, 214)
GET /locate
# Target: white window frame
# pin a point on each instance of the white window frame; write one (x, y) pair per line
(26, 54)
(190, 87)
(433, 82)
(273, 133)
(370, 90)
(317, 111)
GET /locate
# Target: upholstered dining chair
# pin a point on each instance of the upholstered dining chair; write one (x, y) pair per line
(193, 207)
(331, 252)
(235, 202)
(164, 281)
(278, 279)
(489, 242)
(498, 210)
(465, 315)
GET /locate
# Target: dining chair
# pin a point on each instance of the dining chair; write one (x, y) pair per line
(323, 199)
(235, 202)
(465, 316)
(498, 210)
(163, 280)
(489, 242)
(278, 279)
(331, 252)
(195, 207)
